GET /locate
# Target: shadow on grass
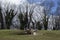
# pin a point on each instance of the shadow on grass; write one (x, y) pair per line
(20, 33)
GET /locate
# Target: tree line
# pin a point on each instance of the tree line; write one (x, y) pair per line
(26, 19)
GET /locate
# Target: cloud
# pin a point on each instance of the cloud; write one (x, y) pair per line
(16, 2)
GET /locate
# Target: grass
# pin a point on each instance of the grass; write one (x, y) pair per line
(18, 35)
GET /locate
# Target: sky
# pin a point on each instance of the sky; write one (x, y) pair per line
(17, 2)
(34, 1)
(53, 9)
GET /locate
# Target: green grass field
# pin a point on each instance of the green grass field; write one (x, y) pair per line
(18, 35)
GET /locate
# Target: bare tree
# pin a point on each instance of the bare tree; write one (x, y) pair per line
(8, 18)
(1, 18)
(45, 20)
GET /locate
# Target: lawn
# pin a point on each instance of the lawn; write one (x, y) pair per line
(18, 35)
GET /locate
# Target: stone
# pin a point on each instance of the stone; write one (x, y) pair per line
(34, 33)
